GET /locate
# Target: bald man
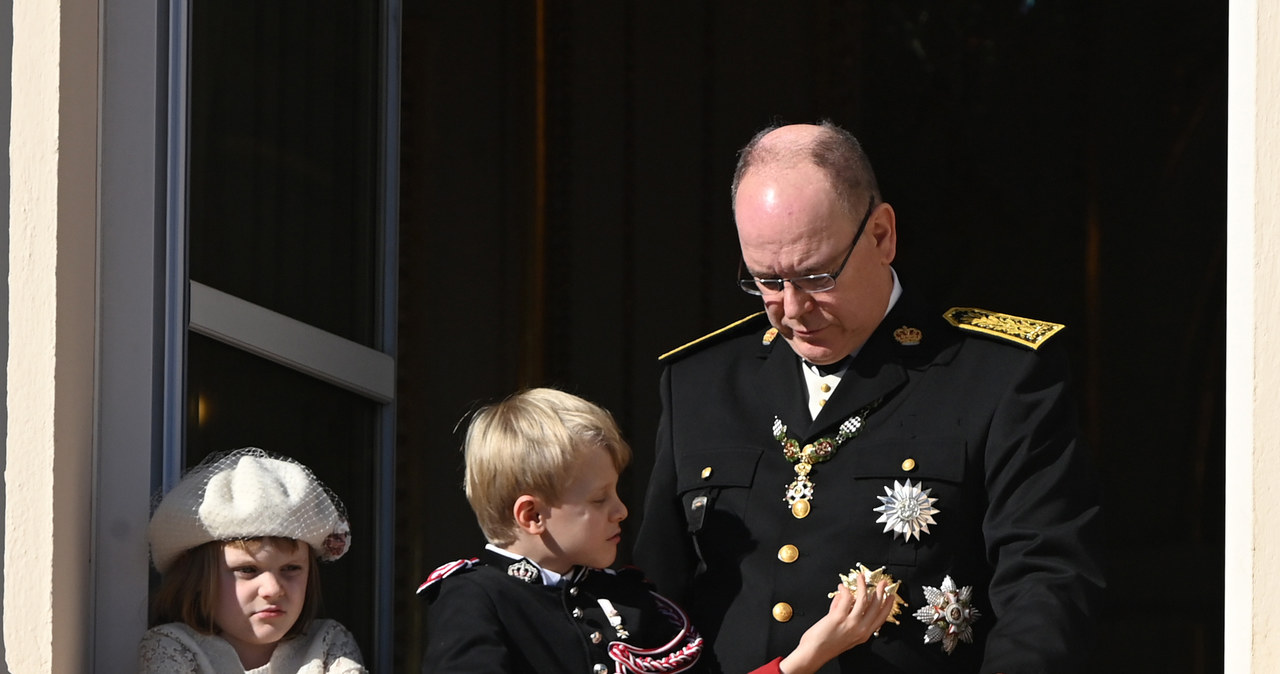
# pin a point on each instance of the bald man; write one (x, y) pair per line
(850, 429)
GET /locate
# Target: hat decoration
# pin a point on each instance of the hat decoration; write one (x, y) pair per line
(248, 493)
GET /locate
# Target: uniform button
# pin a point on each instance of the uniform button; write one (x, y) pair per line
(706, 472)
(788, 553)
(573, 591)
(782, 611)
(596, 637)
(822, 403)
(909, 465)
(600, 669)
(577, 613)
(826, 388)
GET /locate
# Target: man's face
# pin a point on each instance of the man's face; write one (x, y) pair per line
(791, 224)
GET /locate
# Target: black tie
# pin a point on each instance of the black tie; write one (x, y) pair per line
(833, 368)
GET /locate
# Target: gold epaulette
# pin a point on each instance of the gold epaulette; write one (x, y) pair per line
(1025, 331)
(711, 338)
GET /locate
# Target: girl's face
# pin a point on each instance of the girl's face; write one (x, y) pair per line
(261, 591)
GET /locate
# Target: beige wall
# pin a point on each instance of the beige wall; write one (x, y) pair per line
(1250, 581)
(52, 246)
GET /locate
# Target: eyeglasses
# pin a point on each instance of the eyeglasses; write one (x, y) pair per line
(813, 283)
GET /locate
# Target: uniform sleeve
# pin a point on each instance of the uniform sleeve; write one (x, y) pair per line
(159, 653)
(342, 653)
(774, 667)
(663, 545)
(464, 632)
(1042, 527)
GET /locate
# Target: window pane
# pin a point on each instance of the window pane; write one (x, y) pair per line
(237, 400)
(284, 161)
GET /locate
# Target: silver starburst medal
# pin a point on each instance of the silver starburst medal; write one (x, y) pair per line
(907, 511)
(950, 614)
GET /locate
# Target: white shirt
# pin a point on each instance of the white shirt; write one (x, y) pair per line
(820, 386)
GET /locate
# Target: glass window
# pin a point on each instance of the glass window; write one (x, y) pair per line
(284, 157)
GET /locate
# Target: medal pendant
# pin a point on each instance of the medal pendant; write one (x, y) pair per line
(800, 492)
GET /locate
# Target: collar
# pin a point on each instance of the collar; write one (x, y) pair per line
(549, 578)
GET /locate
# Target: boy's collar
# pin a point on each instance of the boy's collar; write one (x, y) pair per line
(547, 577)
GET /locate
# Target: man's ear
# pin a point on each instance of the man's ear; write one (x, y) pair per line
(883, 228)
(528, 514)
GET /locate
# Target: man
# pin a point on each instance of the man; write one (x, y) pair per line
(848, 430)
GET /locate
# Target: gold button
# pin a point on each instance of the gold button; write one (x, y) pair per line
(909, 465)
(782, 611)
(788, 553)
(822, 403)
(826, 388)
(706, 472)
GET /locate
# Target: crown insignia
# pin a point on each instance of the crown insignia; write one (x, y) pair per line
(908, 336)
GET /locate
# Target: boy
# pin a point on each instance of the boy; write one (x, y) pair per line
(541, 474)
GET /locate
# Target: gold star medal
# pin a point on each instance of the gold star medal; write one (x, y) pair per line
(872, 578)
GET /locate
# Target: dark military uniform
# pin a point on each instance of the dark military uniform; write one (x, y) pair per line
(482, 619)
(984, 424)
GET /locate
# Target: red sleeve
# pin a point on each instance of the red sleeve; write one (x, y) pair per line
(774, 667)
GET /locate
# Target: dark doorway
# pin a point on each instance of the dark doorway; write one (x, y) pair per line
(565, 220)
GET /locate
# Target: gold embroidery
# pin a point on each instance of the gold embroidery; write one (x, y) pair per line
(1025, 331)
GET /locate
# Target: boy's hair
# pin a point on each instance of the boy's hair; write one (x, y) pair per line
(530, 443)
(189, 589)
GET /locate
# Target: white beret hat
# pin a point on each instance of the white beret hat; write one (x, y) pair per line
(247, 493)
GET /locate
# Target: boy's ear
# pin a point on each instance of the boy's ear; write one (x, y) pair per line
(528, 514)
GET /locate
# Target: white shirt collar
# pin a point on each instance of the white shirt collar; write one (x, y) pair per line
(548, 577)
(815, 382)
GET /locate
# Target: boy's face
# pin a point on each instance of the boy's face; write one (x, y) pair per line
(584, 529)
(260, 595)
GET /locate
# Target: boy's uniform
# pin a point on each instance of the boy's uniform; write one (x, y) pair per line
(495, 614)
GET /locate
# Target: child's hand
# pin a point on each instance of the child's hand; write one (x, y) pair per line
(849, 621)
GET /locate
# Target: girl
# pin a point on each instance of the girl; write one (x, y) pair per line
(236, 543)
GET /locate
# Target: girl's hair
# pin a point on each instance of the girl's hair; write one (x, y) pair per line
(189, 589)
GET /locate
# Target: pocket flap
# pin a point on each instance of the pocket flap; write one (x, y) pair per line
(720, 467)
(934, 459)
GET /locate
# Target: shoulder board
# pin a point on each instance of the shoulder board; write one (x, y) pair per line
(445, 570)
(735, 328)
(1025, 331)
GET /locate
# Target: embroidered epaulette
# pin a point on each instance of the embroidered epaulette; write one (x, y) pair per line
(1025, 331)
(445, 570)
(752, 322)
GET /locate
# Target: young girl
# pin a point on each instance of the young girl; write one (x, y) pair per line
(236, 542)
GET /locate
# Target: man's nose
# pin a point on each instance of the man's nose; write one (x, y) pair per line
(795, 302)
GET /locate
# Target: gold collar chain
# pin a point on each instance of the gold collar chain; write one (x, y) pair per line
(800, 491)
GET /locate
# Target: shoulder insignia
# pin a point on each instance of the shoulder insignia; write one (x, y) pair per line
(445, 570)
(1025, 331)
(731, 329)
